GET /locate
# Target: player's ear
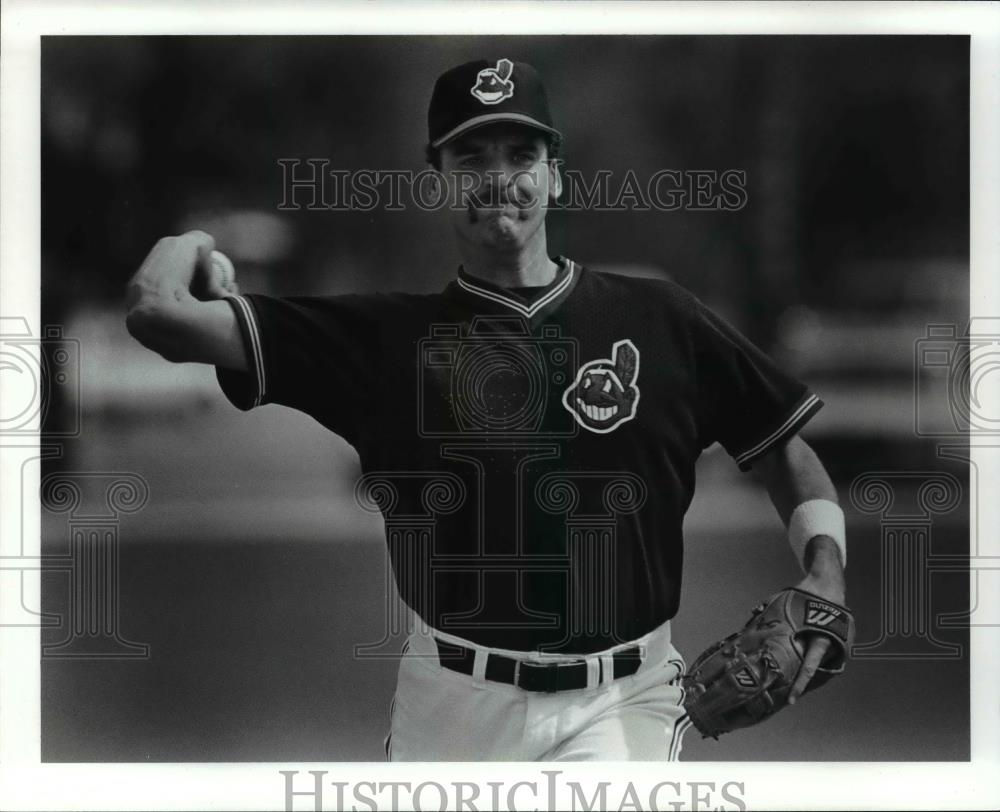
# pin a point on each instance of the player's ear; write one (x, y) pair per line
(435, 182)
(555, 179)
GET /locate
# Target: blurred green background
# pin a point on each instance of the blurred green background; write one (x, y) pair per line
(252, 573)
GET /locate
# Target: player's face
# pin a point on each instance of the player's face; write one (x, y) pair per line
(503, 181)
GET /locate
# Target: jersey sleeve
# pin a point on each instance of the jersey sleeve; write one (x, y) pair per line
(314, 354)
(746, 402)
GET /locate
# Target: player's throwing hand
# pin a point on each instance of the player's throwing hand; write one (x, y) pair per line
(183, 266)
(175, 303)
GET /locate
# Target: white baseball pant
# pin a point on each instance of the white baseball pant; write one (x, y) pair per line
(438, 714)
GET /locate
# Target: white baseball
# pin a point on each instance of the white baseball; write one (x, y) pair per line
(223, 268)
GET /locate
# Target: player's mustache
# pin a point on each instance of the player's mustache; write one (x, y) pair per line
(490, 197)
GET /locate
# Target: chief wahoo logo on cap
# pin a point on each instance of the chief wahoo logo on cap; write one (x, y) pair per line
(493, 85)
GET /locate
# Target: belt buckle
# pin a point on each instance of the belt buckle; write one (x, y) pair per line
(555, 671)
(546, 673)
(552, 676)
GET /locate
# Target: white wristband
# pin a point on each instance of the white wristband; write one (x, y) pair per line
(817, 517)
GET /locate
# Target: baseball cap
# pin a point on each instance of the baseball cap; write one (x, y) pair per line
(484, 92)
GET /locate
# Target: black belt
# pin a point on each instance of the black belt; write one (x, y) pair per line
(535, 676)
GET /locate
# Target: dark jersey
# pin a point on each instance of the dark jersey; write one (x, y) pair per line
(533, 455)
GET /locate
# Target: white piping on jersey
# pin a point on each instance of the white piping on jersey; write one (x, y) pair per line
(777, 433)
(255, 346)
(513, 304)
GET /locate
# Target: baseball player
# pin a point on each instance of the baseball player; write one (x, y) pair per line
(530, 434)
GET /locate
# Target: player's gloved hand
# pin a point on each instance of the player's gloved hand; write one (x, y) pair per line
(748, 677)
(817, 646)
(825, 580)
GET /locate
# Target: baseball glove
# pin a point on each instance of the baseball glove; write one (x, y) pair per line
(747, 677)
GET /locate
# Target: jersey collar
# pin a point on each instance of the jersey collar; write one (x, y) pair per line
(493, 298)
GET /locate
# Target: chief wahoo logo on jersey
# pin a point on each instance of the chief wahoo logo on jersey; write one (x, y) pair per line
(604, 394)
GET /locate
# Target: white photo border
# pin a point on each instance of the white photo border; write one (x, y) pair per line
(28, 784)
